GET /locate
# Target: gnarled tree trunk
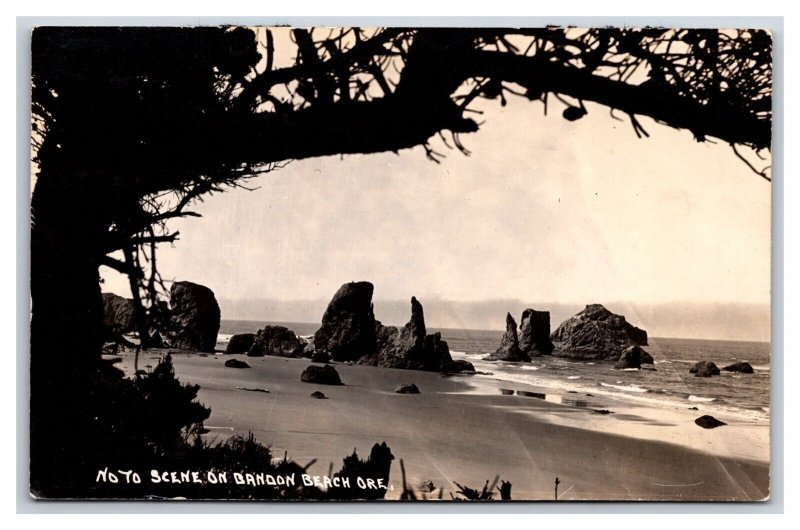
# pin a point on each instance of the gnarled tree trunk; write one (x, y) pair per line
(66, 326)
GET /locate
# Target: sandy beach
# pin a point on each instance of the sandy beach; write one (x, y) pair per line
(463, 429)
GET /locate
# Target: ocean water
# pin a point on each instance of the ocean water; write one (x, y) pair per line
(746, 396)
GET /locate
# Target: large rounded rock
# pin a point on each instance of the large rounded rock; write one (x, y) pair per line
(278, 341)
(596, 333)
(117, 314)
(740, 367)
(534, 333)
(321, 375)
(509, 345)
(461, 366)
(240, 343)
(194, 317)
(348, 325)
(704, 369)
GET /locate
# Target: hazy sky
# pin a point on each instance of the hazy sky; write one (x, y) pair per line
(543, 210)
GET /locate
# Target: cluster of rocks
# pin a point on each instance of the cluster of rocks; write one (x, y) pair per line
(350, 333)
(594, 333)
(278, 341)
(708, 368)
(190, 322)
(533, 339)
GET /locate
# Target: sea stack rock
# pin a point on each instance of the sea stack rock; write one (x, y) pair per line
(117, 314)
(596, 333)
(194, 317)
(534, 333)
(410, 347)
(240, 343)
(348, 325)
(278, 341)
(509, 346)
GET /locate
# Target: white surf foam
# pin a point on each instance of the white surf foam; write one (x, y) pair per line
(700, 399)
(625, 388)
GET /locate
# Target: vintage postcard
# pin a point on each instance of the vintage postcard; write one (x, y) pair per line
(341, 263)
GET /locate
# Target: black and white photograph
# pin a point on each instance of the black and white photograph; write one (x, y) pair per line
(322, 263)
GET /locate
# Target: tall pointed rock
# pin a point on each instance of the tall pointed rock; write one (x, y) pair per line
(509, 345)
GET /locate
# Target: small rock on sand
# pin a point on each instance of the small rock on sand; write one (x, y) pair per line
(318, 395)
(407, 389)
(709, 422)
(247, 389)
(602, 411)
(426, 486)
(236, 363)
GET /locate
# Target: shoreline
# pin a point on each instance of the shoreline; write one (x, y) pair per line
(463, 429)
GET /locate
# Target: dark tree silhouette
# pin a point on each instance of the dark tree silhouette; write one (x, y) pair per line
(132, 125)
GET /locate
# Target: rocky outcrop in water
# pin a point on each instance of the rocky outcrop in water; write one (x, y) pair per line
(740, 367)
(348, 325)
(240, 343)
(704, 369)
(194, 317)
(596, 333)
(633, 357)
(117, 314)
(277, 341)
(534, 333)
(646, 358)
(509, 349)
